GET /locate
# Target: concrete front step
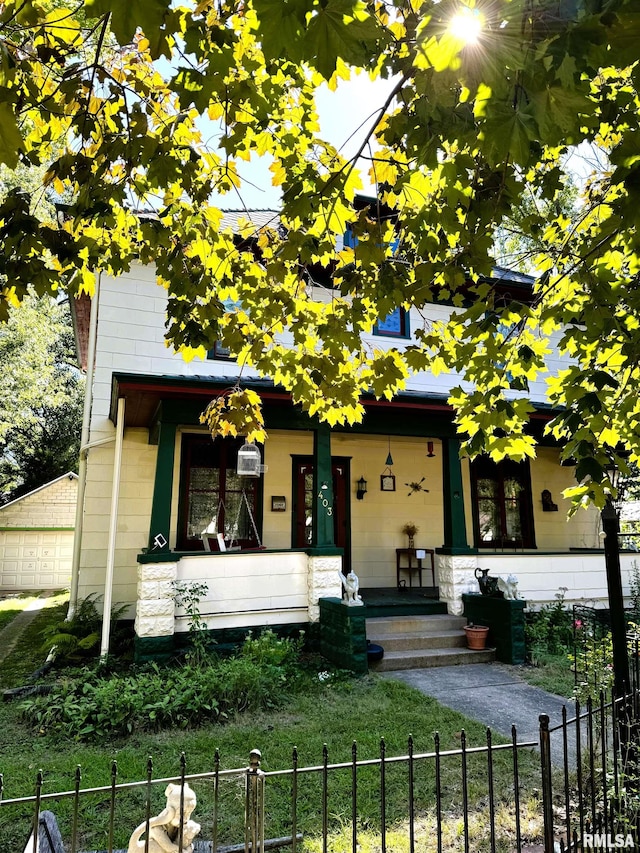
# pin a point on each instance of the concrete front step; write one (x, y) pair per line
(417, 642)
(414, 640)
(425, 658)
(417, 625)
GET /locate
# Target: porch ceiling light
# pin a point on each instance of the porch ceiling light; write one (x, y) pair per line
(361, 488)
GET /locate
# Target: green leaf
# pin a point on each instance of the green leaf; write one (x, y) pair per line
(341, 29)
(282, 25)
(129, 15)
(11, 142)
(589, 467)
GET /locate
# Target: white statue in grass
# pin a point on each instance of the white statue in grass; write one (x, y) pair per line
(164, 829)
(351, 584)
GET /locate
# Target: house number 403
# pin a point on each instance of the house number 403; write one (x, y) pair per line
(325, 503)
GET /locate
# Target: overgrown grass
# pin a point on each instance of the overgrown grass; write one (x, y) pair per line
(364, 710)
(334, 712)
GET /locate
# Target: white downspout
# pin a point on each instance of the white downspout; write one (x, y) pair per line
(84, 438)
(113, 524)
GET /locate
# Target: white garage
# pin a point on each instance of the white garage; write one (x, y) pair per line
(36, 537)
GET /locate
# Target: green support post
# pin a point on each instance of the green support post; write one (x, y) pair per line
(323, 488)
(163, 489)
(455, 528)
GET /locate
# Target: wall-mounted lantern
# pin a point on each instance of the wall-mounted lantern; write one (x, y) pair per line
(361, 488)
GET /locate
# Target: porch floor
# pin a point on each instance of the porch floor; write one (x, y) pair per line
(411, 601)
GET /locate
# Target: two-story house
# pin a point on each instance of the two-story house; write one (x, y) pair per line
(163, 502)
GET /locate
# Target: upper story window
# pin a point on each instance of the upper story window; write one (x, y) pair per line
(394, 325)
(219, 352)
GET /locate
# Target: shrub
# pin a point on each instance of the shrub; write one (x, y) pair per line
(550, 629)
(78, 638)
(92, 705)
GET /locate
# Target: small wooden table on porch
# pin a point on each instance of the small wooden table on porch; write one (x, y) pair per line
(407, 560)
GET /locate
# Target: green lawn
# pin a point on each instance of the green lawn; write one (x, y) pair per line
(335, 714)
(551, 672)
(29, 654)
(364, 710)
(11, 605)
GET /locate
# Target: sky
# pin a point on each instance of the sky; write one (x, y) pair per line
(346, 116)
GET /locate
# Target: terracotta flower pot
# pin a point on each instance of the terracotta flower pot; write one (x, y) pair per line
(476, 636)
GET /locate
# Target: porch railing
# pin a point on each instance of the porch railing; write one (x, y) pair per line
(577, 780)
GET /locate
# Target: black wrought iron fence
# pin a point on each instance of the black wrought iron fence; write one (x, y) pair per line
(596, 803)
(574, 781)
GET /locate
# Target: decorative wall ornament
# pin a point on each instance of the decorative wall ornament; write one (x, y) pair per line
(387, 478)
(416, 486)
(387, 481)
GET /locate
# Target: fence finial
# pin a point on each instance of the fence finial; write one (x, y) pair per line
(255, 757)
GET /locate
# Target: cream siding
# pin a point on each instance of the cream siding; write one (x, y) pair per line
(131, 340)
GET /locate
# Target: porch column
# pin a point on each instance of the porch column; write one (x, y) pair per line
(162, 490)
(455, 529)
(322, 488)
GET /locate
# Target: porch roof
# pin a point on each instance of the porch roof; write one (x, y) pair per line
(150, 397)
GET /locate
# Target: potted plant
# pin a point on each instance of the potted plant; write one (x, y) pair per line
(410, 530)
(476, 636)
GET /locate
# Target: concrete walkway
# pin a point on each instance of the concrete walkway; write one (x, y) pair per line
(11, 633)
(496, 696)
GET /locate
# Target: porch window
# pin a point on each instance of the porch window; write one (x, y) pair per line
(214, 496)
(503, 509)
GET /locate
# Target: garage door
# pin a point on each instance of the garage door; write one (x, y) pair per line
(35, 559)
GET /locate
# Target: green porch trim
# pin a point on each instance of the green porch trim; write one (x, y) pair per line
(455, 528)
(343, 635)
(163, 487)
(226, 640)
(174, 556)
(28, 529)
(222, 640)
(323, 534)
(325, 551)
(153, 649)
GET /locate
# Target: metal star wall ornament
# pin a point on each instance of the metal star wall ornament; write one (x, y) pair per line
(415, 487)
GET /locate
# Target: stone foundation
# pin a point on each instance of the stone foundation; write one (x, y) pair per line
(155, 606)
(456, 577)
(323, 581)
